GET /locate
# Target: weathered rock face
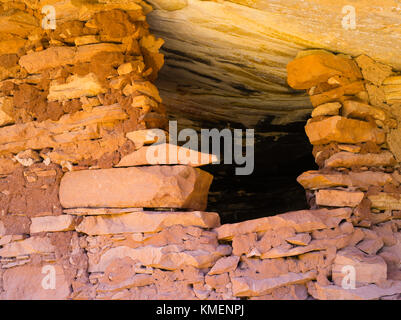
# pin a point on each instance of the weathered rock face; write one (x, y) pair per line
(227, 59)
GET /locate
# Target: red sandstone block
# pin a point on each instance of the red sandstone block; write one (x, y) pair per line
(156, 186)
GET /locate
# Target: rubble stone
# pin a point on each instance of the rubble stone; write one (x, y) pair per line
(368, 269)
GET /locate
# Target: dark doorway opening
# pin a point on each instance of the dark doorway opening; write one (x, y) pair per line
(282, 153)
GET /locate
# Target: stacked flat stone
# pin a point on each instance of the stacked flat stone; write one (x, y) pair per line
(354, 130)
(70, 95)
(80, 197)
(78, 113)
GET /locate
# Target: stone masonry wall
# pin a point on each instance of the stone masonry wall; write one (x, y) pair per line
(80, 200)
(354, 130)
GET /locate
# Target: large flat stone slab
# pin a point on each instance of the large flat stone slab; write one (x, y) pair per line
(343, 130)
(369, 292)
(152, 187)
(301, 221)
(248, 287)
(146, 221)
(318, 180)
(310, 70)
(339, 198)
(170, 257)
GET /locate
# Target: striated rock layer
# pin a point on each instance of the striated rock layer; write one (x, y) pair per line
(226, 59)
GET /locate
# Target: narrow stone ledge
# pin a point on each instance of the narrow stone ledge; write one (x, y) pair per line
(146, 222)
(301, 221)
(52, 223)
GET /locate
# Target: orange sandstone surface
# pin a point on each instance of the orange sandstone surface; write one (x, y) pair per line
(77, 194)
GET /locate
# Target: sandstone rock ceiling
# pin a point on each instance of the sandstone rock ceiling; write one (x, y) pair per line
(225, 60)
